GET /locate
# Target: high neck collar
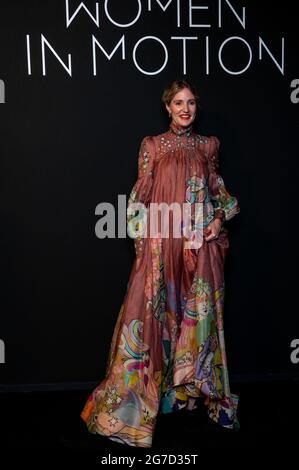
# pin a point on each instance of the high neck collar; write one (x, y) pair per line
(180, 130)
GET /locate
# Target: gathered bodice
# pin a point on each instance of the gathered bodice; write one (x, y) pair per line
(181, 139)
(181, 170)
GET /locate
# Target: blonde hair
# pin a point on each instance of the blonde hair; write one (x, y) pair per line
(174, 87)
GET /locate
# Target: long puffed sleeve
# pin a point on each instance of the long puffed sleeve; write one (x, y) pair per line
(140, 195)
(225, 205)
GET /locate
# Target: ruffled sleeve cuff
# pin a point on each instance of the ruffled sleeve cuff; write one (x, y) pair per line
(225, 205)
(140, 195)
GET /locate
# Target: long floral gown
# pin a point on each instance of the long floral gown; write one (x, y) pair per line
(168, 342)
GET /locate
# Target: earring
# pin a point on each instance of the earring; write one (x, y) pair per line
(169, 114)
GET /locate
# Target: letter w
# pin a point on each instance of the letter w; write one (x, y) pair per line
(69, 20)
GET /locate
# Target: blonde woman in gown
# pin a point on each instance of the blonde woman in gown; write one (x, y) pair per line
(168, 347)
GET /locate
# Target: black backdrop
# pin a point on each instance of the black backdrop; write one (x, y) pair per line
(70, 142)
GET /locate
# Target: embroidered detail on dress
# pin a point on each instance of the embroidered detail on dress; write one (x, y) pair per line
(169, 142)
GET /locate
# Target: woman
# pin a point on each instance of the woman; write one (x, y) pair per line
(168, 346)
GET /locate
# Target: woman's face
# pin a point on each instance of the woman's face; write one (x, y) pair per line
(183, 107)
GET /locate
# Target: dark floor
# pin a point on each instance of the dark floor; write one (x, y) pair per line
(48, 423)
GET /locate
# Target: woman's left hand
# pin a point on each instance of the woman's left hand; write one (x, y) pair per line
(212, 230)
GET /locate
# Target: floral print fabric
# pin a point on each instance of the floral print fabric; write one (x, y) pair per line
(168, 342)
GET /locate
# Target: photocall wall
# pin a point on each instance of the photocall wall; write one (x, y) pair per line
(80, 86)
